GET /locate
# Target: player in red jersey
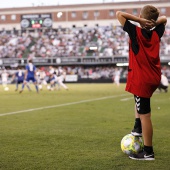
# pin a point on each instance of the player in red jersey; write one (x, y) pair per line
(144, 72)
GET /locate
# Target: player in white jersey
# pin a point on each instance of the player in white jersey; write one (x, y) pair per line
(60, 74)
(4, 77)
(117, 76)
(41, 78)
(164, 83)
(52, 79)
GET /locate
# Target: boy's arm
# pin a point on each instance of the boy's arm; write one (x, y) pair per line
(160, 25)
(12, 79)
(122, 16)
(161, 20)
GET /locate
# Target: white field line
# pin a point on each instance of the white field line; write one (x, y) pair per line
(60, 105)
(130, 98)
(126, 99)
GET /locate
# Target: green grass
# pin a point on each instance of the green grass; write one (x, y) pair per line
(77, 136)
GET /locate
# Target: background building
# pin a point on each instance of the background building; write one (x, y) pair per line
(89, 15)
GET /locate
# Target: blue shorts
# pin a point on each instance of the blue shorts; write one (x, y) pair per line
(20, 81)
(31, 79)
(52, 79)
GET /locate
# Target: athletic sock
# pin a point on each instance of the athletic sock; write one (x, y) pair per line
(137, 123)
(148, 149)
(36, 87)
(23, 85)
(28, 87)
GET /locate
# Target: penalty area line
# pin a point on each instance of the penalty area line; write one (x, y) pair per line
(61, 105)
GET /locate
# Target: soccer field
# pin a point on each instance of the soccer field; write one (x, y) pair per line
(79, 129)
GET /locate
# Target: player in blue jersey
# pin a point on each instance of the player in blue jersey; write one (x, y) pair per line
(30, 75)
(19, 78)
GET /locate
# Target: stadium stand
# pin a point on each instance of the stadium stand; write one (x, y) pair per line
(87, 41)
(97, 41)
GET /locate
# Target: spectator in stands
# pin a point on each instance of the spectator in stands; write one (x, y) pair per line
(109, 40)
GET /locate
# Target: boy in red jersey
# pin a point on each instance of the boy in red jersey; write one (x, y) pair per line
(144, 72)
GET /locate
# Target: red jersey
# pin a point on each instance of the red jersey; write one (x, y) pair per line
(144, 73)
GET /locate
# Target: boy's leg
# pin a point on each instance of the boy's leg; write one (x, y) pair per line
(144, 111)
(36, 87)
(16, 86)
(165, 88)
(23, 85)
(137, 130)
(28, 87)
(147, 128)
(63, 85)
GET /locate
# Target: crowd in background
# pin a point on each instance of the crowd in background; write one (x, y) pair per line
(97, 41)
(91, 72)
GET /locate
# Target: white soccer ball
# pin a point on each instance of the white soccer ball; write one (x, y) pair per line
(6, 88)
(48, 87)
(131, 144)
(40, 86)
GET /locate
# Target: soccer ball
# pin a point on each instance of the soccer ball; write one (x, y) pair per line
(131, 144)
(6, 88)
(40, 87)
(48, 87)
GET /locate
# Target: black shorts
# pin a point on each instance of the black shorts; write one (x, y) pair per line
(20, 81)
(142, 105)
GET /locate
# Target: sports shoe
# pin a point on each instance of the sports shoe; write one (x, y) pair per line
(143, 155)
(137, 132)
(20, 91)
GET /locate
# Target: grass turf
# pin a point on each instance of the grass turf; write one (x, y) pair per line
(81, 131)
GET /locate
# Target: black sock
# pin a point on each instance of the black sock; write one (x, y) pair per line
(148, 149)
(137, 123)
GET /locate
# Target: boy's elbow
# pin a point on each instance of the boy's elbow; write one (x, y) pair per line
(161, 20)
(165, 19)
(120, 17)
(118, 13)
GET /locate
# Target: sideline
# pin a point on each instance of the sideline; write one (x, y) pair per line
(60, 105)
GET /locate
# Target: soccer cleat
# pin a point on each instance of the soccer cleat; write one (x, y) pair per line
(143, 155)
(137, 132)
(20, 91)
